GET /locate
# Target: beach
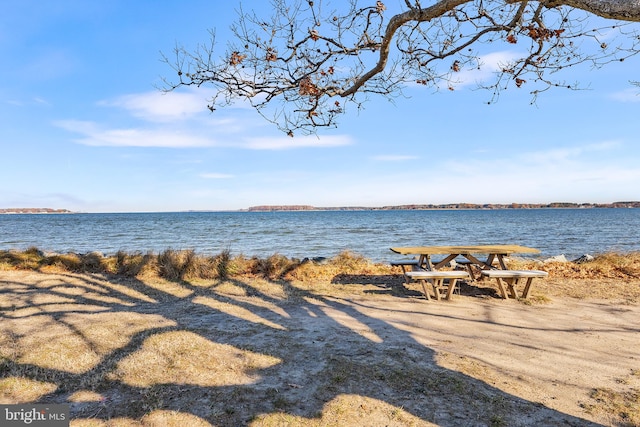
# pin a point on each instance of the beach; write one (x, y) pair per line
(353, 349)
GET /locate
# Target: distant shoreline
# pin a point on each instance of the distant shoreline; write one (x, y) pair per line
(34, 211)
(448, 206)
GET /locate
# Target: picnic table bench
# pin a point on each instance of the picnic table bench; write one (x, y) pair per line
(440, 280)
(512, 279)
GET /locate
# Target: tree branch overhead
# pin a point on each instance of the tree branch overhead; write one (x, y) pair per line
(311, 61)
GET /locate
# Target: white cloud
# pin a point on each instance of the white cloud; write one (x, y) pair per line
(489, 65)
(287, 143)
(157, 106)
(496, 60)
(174, 120)
(93, 135)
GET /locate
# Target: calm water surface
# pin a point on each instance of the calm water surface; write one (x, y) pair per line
(572, 232)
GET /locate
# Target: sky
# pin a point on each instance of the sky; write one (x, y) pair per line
(84, 127)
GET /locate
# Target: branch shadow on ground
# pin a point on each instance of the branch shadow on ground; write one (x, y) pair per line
(395, 285)
(231, 353)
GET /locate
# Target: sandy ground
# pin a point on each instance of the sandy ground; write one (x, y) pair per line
(471, 361)
(554, 354)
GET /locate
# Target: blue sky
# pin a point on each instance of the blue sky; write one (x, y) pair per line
(84, 127)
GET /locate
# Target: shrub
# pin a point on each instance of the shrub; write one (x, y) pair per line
(69, 262)
(274, 267)
(135, 264)
(93, 262)
(172, 264)
(222, 264)
(29, 259)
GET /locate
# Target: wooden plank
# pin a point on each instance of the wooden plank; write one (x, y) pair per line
(513, 279)
(438, 274)
(396, 263)
(506, 274)
(474, 249)
(444, 261)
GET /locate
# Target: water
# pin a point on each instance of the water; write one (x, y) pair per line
(572, 232)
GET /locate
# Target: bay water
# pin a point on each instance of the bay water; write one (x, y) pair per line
(569, 232)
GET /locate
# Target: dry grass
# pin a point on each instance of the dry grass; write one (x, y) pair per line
(96, 339)
(603, 266)
(607, 276)
(180, 265)
(623, 403)
(602, 278)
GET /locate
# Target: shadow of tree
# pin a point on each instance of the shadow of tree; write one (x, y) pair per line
(394, 284)
(294, 353)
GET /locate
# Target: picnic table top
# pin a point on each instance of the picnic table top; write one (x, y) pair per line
(474, 249)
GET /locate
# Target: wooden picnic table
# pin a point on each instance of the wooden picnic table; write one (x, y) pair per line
(427, 270)
(493, 253)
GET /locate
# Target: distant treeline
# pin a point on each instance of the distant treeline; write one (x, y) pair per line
(555, 205)
(33, 211)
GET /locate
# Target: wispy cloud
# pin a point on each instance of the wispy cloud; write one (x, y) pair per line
(94, 135)
(489, 65)
(568, 153)
(544, 169)
(287, 143)
(573, 173)
(181, 120)
(627, 95)
(393, 158)
(214, 175)
(52, 64)
(34, 101)
(157, 106)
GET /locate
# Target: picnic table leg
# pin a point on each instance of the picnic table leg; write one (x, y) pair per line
(404, 274)
(513, 283)
(503, 266)
(527, 288)
(482, 264)
(445, 261)
(501, 288)
(452, 287)
(425, 262)
(437, 283)
(471, 272)
(489, 261)
(424, 288)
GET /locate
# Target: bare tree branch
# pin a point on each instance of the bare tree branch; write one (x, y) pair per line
(307, 64)
(609, 9)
